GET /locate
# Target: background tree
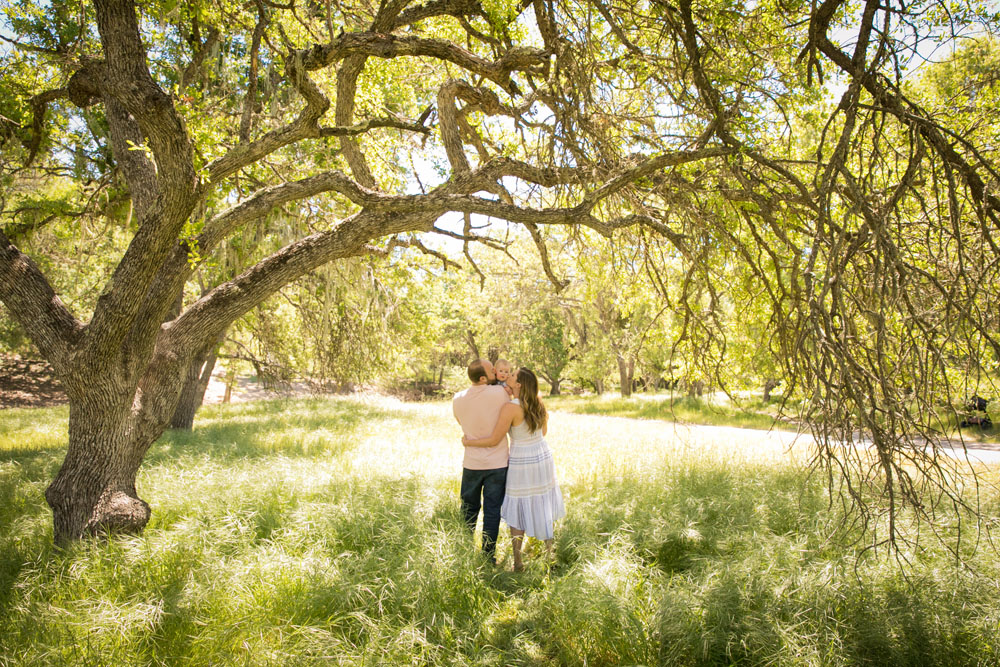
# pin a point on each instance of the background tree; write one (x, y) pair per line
(546, 345)
(615, 298)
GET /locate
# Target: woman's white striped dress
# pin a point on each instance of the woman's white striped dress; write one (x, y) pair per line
(533, 500)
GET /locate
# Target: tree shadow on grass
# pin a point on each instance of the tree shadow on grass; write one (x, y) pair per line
(747, 615)
(301, 427)
(290, 427)
(675, 520)
(749, 565)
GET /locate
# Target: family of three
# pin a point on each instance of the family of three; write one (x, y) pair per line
(515, 481)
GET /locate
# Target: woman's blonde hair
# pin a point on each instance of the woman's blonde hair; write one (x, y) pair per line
(535, 413)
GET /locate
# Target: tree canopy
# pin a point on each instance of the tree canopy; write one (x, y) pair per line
(698, 137)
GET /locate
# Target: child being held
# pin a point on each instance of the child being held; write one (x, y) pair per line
(502, 370)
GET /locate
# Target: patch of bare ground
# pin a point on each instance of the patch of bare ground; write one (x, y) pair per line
(28, 383)
(31, 383)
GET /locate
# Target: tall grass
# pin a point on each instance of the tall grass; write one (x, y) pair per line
(327, 531)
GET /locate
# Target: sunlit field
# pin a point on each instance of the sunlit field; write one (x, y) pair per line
(327, 531)
(748, 411)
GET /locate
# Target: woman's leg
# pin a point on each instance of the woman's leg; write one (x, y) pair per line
(549, 554)
(516, 537)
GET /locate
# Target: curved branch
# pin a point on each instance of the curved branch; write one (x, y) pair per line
(36, 307)
(384, 215)
(435, 8)
(382, 45)
(543, 253)
(263, 201)
(216, 310)
(129, 82)
(39, 104)
(453, 119)
(305, 125)
(347, 81)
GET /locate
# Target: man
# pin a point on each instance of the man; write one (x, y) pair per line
(484, 470)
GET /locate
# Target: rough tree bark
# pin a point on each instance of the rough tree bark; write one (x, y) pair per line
(192, 395)
(769, 385)
(626, 368)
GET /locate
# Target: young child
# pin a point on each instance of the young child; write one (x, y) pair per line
(502, 371)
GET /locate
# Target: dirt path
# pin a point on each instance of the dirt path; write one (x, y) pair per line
(247, 388)
(976, 452)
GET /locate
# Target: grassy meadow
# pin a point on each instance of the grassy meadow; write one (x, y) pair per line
(715, 410)
(327, 531)
(748, 411)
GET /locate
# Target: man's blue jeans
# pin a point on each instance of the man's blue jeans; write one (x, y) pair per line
(490, 485)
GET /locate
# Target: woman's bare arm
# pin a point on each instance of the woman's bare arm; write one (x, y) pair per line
(507, 414)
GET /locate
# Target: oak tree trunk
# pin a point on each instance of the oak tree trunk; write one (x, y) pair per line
(696, 388)
(199, 374)
(94, 491)
(625, 377)
(770, 386)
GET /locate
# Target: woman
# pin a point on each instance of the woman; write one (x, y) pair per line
(533, 500)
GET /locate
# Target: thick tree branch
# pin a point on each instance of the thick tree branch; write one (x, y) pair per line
(263, 201)
(215, 311)
(453, 196)
(435, 8)
(250, 101)
(382, 215)
(128, 81)
(305, 125)
(193, 67)
(149, 141)
(347, 82)
(37, 308)
(39, 104)
(381, 45)
(374, 123)
(452, 119)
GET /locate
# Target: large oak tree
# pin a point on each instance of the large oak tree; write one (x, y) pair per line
(669, 120)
